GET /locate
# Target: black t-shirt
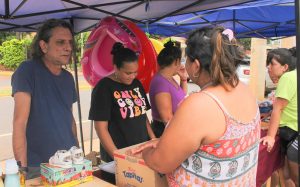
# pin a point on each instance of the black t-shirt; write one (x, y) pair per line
(124, 107)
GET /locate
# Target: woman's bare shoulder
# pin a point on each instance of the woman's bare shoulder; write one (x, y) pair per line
(197, 106)
(197, 100)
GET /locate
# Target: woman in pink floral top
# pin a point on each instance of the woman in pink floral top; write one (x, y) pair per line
(217, 135)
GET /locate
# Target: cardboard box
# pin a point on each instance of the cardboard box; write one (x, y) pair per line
(131, 171)
(62, 177)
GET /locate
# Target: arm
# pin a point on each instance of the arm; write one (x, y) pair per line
(278, 106)
(105, 138)
(163, 103)
(149, 129)
(285, 90)
(20, 119)
(185, 125)
(74, 131)
(183, 78)
(184, 85)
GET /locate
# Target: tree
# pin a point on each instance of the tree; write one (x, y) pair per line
(246, 42)
(80, 40)
(13, 52)
(6, 36)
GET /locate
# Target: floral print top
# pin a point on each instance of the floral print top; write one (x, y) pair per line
(230, 161)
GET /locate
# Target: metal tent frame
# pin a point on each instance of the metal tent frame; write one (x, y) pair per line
(157, 17)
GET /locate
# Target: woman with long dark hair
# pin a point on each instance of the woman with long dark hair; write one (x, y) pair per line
(165, 93)
(217, 136)
(119, 104)
(284, 118)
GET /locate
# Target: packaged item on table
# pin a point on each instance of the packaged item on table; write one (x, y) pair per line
(22, 172)
(131, 170)
(65, 177)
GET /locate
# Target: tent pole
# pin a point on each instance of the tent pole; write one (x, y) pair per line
(297, 9)
(20, 5)
(78, 100)
(233, 20)
(91, 136)
(78, 95)
(6, 4)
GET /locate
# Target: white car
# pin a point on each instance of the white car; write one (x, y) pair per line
(243, 72)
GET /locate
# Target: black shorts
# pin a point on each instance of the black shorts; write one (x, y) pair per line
(292, 150)
(287, 136)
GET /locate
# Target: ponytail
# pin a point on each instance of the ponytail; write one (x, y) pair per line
(122, 55)
(218, 53)
(223, 70)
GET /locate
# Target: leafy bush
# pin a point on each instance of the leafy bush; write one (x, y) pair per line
(80, 41)
(13, 52)
(4, 36)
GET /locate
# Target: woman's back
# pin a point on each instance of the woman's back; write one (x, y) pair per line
(239, 102)
(228, 156)
(217, 130)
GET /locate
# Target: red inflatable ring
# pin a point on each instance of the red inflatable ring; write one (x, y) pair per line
(97, 60)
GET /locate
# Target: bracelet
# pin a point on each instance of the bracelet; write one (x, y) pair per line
(24, 169)
(183, 80)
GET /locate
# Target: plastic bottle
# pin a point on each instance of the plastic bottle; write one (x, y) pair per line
(12, 178)
(1, 181)
(22, 172)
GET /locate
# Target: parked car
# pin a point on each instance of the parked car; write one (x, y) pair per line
(243, 72)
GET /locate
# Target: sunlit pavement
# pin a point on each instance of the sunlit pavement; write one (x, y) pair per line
(5, 85)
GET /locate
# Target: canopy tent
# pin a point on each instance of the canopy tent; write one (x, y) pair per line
(248, 18)
(253, 19)
(259, 18)
(27, 15)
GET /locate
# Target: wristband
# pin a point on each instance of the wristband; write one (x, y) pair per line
(183, 80)
(22, 168)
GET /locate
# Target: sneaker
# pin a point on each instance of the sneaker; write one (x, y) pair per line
(77, 155)
(61, 158)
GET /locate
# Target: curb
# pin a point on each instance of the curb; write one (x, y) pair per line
(6, 73)
(6, 91)
(9, 73)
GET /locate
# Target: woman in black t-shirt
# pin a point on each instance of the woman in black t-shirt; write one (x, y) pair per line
(119, 104)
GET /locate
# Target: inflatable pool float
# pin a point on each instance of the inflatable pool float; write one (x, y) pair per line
(148, 55)
(158, 45)
(97, 60)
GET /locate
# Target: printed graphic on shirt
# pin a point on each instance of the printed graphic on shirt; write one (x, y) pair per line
(131, 102)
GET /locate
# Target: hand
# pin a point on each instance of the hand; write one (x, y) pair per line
(150, 144)
(182, 73)
(269, 141)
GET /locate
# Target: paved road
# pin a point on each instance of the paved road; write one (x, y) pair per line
(6, 115)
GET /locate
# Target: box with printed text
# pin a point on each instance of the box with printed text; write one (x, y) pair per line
(132, 171)
(66, 177)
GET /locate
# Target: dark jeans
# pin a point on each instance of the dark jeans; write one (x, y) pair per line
(33, 172)
(158, 128)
